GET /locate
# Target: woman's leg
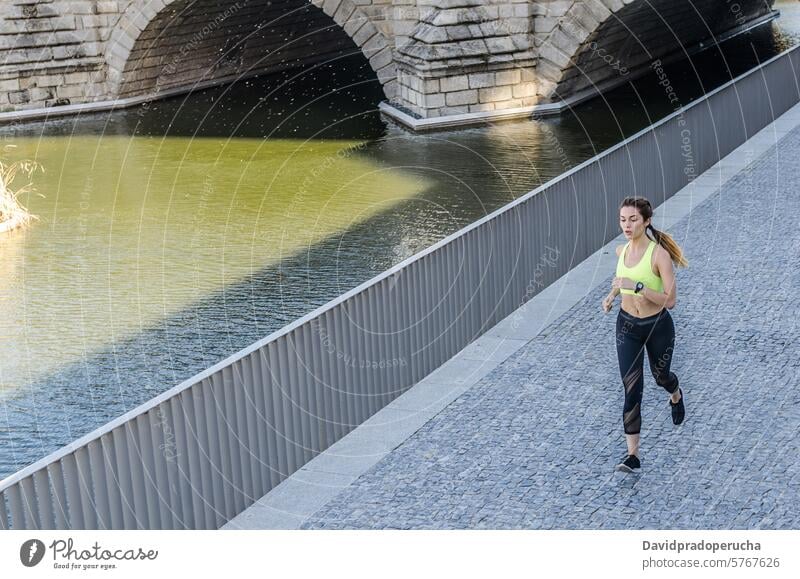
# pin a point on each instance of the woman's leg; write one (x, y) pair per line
(630, 347)
(660, 346)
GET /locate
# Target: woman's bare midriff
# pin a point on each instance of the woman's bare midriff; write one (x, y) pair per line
(639, 306)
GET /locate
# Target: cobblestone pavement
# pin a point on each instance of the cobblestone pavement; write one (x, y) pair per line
(534, 444)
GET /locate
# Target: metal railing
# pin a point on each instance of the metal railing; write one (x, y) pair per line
(200, 453)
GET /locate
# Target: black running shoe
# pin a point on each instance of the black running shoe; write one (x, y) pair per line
(678, 410)
(630, 464)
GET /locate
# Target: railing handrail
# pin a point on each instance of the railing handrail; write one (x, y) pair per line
(155, 401)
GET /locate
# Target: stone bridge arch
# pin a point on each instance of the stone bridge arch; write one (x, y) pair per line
(466, 59)
(444, 62)
(160, 47)
(597, 43)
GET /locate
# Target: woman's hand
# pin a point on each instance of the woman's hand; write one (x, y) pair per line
(623, 283)
(608, 302)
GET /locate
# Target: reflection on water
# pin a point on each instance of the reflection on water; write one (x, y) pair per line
(175, 234)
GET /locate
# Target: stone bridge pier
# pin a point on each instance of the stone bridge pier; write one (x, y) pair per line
(503, 58)
(440, 63)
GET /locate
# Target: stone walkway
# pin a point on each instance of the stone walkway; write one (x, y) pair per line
(533, 443)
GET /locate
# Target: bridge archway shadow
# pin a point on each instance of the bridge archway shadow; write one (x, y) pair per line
(191, 44)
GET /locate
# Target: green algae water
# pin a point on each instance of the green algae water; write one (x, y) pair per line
(132, 230)
(172, 235)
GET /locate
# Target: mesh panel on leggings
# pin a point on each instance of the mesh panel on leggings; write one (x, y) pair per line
(633, 420)
(631, 378)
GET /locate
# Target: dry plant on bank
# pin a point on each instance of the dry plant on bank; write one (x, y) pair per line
(10, 207)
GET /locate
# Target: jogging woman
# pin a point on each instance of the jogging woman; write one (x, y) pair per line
(647, 282)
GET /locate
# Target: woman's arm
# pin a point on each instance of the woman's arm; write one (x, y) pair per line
(615, 290)
(667, 275)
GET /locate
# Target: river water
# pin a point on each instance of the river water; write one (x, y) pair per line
(172, 235)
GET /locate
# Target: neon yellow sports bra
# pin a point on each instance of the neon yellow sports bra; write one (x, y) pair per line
(642, 271)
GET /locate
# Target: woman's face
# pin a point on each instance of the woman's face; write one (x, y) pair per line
(631, 222)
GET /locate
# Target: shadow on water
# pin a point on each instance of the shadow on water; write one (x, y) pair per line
(335, 99)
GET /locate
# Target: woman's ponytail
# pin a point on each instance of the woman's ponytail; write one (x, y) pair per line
(666, 241)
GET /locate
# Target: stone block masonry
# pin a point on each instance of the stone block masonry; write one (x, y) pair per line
(51, 53)
(65, 52)
(464, 56)
(499, 55)
(433, 58)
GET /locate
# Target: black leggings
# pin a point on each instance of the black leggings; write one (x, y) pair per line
(657, 334)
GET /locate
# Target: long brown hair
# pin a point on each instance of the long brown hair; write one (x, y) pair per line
(664, 239)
